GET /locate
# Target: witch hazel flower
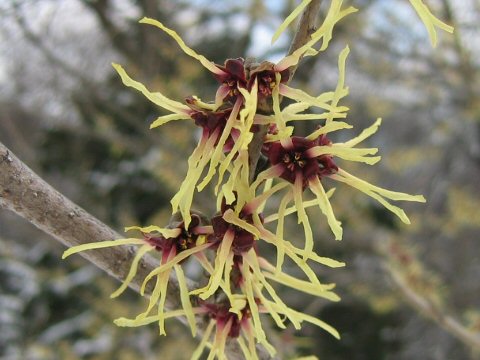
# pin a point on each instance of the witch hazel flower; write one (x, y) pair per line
(305, 161)
(240, 285)
(227, 325)
(216, 124)
(245, 308)
(237, 267)
(251, 273)
(175, 244)
(223, 325)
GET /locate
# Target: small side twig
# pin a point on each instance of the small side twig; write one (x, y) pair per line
(306, 27)
(425, 307)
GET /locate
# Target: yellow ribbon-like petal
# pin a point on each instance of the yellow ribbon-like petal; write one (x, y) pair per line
(190, 52)
(289, 19)
(429, 20)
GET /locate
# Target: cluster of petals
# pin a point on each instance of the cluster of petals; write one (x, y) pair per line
(241, 283)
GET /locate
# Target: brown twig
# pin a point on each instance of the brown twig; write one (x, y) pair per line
(306, 27)
(25, 193)
(425, 307)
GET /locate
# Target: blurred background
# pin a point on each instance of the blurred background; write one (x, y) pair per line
(65, 113)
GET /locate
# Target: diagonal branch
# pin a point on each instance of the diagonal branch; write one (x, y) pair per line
(427, 308)
(25, 193)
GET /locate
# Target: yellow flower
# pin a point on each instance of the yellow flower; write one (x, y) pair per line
(237, 266)
(303, 162)
(175, 244)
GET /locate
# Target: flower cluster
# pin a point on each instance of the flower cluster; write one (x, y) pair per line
(225, 245)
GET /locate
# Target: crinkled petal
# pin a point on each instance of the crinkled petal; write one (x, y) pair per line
(429, 20)
(325, 31)
(157, 98)
(185, 299)
(101, 245)
(161, 120)
(167, 233)
(328, 128)
(124, 322)
(289, 19)
(378, 193)
(326, 207)
(252, 261)
(302, 215)
(340, 90)
(197, 162)
(302, 96)
(216, 157)
(190, 52)
(220, 260)
(175, 260)
(133, 270)
(248, 288)
(358, 155)
(203, 343)
(230, 217)
(364, 134)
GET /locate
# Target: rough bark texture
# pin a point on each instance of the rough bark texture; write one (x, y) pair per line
(25, 193)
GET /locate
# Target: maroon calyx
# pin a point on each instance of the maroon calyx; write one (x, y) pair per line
(234, 76)
(186, 239)
(243, 240)
(220, 312)
(325, 162)
(295, 161)
(236, 277)
(266, 78)
(211, 120)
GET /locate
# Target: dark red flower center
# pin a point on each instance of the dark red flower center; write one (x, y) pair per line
(187, 239)
(295, 161)
(265, 74)
(243, 240)
(234, 76)
(266, 83)
(211, 120)
(220, 312)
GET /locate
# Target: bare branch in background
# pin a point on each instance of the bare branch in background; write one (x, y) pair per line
(25, 193)
(438, 316)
